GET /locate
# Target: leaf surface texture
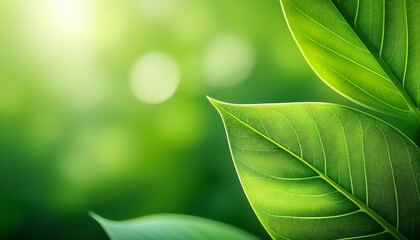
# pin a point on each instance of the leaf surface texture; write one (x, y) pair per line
(367, 50)
(324, 171)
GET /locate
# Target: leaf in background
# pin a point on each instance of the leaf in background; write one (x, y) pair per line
(170, 227)
(368, 51)
(324, 171)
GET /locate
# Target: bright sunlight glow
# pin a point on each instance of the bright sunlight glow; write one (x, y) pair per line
(71, 16)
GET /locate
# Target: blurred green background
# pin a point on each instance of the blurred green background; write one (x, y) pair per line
(103, 108)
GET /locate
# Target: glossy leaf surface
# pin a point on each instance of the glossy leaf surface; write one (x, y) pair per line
(324, 171)
(366, 50)
(170, 227)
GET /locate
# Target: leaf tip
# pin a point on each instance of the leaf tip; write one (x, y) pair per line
(215, 103)
(93, 215)
(97, 218)
(212, 100)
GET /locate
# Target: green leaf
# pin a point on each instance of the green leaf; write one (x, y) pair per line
(324, 171)
(366, 50)
(169, 227)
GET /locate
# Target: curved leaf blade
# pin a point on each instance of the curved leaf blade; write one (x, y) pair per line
(170, 226)
(367, 51)
(323, 171)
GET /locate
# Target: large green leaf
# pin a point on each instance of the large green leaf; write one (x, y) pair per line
(324, 171)
(171, 227)
(367, 50)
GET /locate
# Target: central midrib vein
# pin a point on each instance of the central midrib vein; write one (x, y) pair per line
(362, 206)
(390, 74)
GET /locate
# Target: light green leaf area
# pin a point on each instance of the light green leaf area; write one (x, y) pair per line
(366, 50)
(324, 171)
(171, 227)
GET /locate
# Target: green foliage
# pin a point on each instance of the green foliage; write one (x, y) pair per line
(171, 226)
(317, 170)
(323, 171)
(366, 50)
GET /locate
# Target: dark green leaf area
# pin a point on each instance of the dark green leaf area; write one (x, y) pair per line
(323, 171)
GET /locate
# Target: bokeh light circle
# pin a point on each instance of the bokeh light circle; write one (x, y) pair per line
(158, 9)
(228, 60)
(154, 77)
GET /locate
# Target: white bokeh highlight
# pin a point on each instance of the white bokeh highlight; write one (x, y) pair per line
(154, 77)
(227, 61)
(158, 9)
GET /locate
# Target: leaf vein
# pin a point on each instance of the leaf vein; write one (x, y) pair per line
(406, 44)
(364, 236)
(383, 29)
(357, 13)
(312, 217)
(320, 141)
(293, 129)
(329, 30)
(347, 152)
(279, 178)
(397, 208)
(367, 93)
(345, 57)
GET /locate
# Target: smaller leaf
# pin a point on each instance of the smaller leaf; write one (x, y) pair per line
(170, 226)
